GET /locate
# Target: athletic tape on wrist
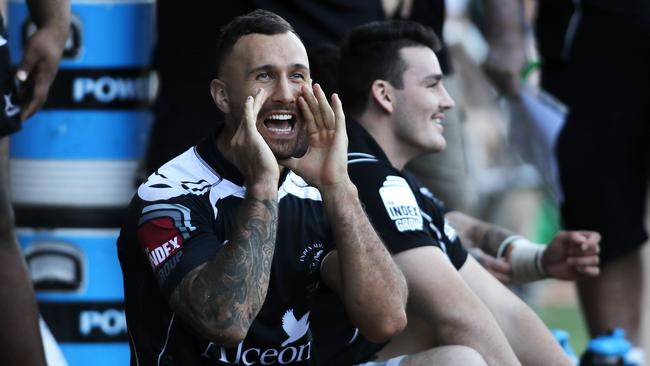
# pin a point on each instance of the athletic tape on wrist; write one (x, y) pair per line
(525, 258)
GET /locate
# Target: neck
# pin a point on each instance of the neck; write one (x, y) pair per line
(380, 127)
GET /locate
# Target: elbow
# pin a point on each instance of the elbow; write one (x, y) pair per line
(228, 338)
(216, 328)
(382, 329)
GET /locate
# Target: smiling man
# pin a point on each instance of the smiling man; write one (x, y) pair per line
(390, 80)
(223, 248)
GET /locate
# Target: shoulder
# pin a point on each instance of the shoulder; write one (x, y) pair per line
(185, 175)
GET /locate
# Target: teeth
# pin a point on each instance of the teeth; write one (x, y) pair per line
(280, 117)
(280, 130)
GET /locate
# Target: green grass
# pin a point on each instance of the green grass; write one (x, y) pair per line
(569, 319)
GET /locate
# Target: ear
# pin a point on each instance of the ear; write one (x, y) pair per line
(381, 93)
(219, 95)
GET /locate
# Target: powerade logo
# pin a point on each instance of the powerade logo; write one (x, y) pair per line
(86, 322)
(109, 322)
(106, 89)
(100, 89)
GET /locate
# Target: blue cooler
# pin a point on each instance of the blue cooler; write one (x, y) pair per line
(74, 168)
(79, 290)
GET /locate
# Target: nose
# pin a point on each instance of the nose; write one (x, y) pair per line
(446, 102)
(284, 91)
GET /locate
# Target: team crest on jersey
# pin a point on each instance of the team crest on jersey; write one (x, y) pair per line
(312, 255)
(400, 204)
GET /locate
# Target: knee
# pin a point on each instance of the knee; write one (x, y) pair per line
(449, 355)
(469, 356)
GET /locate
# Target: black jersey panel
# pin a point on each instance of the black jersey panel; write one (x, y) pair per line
(391, 206)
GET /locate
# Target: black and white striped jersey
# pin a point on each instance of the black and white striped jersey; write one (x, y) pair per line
(179, 219)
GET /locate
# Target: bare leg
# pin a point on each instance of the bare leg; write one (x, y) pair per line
(20, 338)
(445, 355)
(613, 299)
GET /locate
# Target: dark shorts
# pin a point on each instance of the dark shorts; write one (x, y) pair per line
(604, 148)
(9, 109)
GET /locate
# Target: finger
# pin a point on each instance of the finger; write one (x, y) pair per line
(502, 277)
(324, 106)
(37, 98)
(308, 117)
(339, 115)
(583, 261)
(500, 266)
(249, 115)
(27, 64)
(586, 248)
(590, 271)
(258, 101)
(407, 6)
(312, 102)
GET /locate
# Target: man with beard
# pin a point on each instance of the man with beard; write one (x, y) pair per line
(226, 244)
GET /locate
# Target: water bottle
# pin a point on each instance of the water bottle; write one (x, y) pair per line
(607, 350)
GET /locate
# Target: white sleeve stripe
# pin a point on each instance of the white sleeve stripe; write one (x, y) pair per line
(169, 330)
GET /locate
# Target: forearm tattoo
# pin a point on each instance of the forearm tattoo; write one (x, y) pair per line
(489, 237)
(226, 294)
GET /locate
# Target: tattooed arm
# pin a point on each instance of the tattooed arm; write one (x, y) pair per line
(221, 298)
(570, 255)
(475, 233)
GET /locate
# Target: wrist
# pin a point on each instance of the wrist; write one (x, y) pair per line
(266, 189)
(524, 256)
(344, 190)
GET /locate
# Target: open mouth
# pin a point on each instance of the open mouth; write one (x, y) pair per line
(280, 123)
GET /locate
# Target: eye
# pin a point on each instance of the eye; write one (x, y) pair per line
(263, 76)
(298, 76)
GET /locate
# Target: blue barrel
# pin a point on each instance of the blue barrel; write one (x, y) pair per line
(79, 290)
(73, 171)
(79, 156)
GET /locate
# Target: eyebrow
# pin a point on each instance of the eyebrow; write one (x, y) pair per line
(432, 77)
(268, 67)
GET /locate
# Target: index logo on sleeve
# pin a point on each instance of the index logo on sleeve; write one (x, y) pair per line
(400, 204)
(160, 239)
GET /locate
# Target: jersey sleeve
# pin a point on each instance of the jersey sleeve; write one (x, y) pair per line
(391, 206)
(176, 236)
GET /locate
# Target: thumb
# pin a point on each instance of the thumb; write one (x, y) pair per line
(290, 163)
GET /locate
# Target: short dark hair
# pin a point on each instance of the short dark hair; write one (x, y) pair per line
(258, 21)
(372, 52)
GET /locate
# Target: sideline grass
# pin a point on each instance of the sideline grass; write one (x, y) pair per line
(569, 319)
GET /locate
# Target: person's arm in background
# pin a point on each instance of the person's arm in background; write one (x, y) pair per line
(20, 338)
(361, 270)
(42, 53)
(504, 32)
(570, 255)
